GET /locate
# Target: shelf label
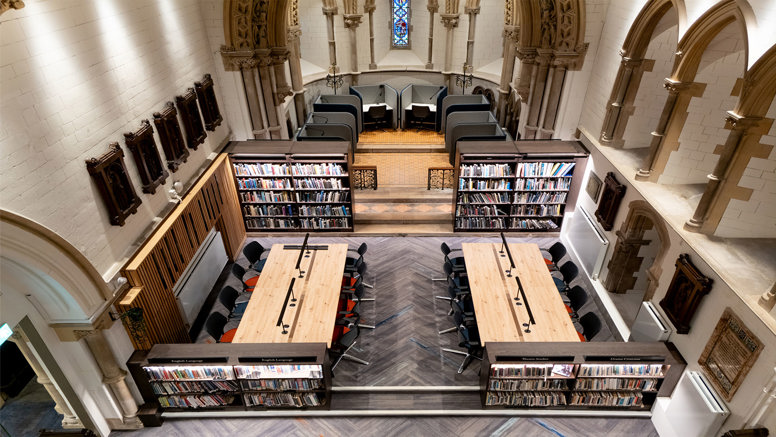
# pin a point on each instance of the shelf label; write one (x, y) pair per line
(534, 359)
(187, 360)
(611, 359)
(297, 359)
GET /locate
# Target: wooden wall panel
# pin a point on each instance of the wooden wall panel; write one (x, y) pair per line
(160, 262)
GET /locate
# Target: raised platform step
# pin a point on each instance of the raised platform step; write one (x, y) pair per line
(403, 194)
(400, 148)
(399, 229)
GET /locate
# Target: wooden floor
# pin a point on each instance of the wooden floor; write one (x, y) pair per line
(409, 137)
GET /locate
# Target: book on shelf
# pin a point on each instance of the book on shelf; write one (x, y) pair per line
(265, 196)
(173, 387)
(540, 197)
(527, 384)
(616, 384)
(542, 224)
(324, 210)
(537, 210)
(195, 401)
(606, 399)
(282, 399)
(268, 210)
(189, 372)
(563, 184)
(263, 184)
(483, 198)
(526, 399)
(261, 169)
(486, 170)
(544, 169)
(282, 384)
(484, 184)
(322, 223)
(279, 371)
(621, 370)
(482, 210)
(323, 197)
(331, 183)
(479, 223)
(324, 169)
(270, 223)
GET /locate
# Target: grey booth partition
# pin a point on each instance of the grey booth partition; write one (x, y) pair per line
(475, 131)
(465, 117)
(327, 132)
(422, 94)
(345, 118)
(337, 103)
(469, 102)
(376, 94)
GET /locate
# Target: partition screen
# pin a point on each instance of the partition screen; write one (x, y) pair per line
(401, 24)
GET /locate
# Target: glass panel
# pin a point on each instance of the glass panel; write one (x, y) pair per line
(401, 24)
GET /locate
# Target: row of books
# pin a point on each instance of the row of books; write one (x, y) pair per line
(543, 184)
(268, 210)
(324, 210)
(483, 198)
(282, 399)
(265, 169)
(322, 223)
(526, 399)
(533, 224)
(606, 398)
(540, 197)
(270, 223)
(616, 384)
(265, 196)
(173, 387)
(195, 401)
(323, 196)
(318, 183)
(545, 169)
(486, 170)
(534, 370)
(263, 184)
(325, 169)
(484, 184)
(621, 370)
(479, 210)
(283, 384)
(279, 371)
(198, 372)
(479, 223)
(527, 384)
(538, 210)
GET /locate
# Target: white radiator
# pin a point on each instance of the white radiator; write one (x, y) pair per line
(649, 325)
(200, 275)
(587, 241)
(693, 410)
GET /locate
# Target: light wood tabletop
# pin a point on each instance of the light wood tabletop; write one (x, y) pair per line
(311, 319)
(499, 319)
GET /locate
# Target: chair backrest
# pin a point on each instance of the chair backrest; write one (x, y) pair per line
(448, 268)
(238, 271)
(420, 111)
(359, 291)
(376, 111)
(445, 249)
(362, 249)
(591, 325)
(228, 296)
(349, 338)
(214, 325)
(253, 251)
(569, 271)
(577, 297)
(557, 251)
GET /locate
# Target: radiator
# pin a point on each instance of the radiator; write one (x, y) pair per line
(200, 276)
(587, 242)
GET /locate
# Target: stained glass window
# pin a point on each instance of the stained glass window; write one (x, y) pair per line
(401, 24)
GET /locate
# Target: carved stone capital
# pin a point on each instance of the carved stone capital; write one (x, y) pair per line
(284, 91)
(329, 7)
(369, 6)
(83, 333)
(676, 87)
(352, 20)
(10, 4)
(235, 60)
(433, 6)
(734, 121)
(450, 21)
(473, 10)
(512, 33)
(293, 33)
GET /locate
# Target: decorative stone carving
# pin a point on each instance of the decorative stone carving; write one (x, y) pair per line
(241, 28)
(508, 13)
(330, 7)
(432, 6)
(260, 23)
(449, 21)
(10, 4)
(236, 60)
(293, 13)
(451, 7)
(369, 6)
(350, 7)
(548, 23)
(352, 20)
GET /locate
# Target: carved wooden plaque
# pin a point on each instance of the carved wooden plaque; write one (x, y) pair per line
(143, 147)
(729, 354)
(166, 122)
(610, 201)
(192, 124)
(110, 174)
(207, 102)
(685, 292)
(593, 186)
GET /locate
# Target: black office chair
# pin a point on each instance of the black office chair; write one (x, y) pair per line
(460, 302)
(339, 350)
(420, 114)
(214, 325)
(455, 280)
(375, 116)
(356, 296)
(577, 297)
(469, 338)
(568, 272)
(354, 258)
(557, 251)
(253, 252)
(239, 272)
(591, 325)
(229, 298)
(457, 260)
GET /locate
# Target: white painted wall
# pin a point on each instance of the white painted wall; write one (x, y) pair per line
(488, 33)
(73, 80)
(651, 96)
(314, 41)
(721, 65)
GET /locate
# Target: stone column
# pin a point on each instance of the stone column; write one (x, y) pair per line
(471, 9)
(269, 97)
(536, 96)
(297, 84)
(351, 23)
(70, 420)
(369, 8)
(551, 103)
(245, 62)
(507, 71)
(433, 8)
(665, 137)
(330, 10)
(626, 84)
(450, 21)
(768, 299)
(113, 376)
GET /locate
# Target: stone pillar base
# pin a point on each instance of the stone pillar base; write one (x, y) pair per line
(129, 423)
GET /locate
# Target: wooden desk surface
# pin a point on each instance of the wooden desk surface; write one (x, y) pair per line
(317, 294)
(498, 318)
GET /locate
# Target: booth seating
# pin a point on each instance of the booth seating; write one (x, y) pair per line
(341, 103)
(379, 105)
(427, 95)
(471, 126)
(469, 102)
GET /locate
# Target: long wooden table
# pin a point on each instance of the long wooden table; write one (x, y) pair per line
(311, 320)
(499, 319)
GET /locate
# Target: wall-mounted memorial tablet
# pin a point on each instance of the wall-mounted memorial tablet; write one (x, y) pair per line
(192, 123)
(166, 122)
(149, 164)
(208, 103)
(110, 174)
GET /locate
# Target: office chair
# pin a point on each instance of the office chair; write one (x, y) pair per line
(355, 297)
(577, 297)
(214, 325)
(228, 297)
(460, 302)
(339, 350)
(469, 338)
(239, 272)
(556, 252)
(568, 272)
(591, 325)
(351, 282)
(419, 115)
(455, 280)
(253, 252)
(354, 260)
(375, 115)
(457, 261)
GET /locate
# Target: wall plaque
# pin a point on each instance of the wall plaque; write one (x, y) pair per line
(593, 186)
(610, 201)
(729, 354)
(684, 294)
(110, 174)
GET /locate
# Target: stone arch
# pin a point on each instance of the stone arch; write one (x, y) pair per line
(625, 261)
(632, 67)
(759, 87)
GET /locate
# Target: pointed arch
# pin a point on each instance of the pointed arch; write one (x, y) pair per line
(759, 87)
(640, 34)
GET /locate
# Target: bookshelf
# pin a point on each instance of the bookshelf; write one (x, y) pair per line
(578, 375)
(516, 186)
(192, 377)
(284, 186)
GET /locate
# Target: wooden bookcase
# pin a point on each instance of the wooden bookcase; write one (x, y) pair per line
(516, 186)
(289, 186)
(225, 376)
(578, 375)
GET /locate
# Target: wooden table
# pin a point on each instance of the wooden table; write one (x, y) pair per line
(498, 318)
(317, 294)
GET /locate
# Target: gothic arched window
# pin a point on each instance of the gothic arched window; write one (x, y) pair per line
(400, 29)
